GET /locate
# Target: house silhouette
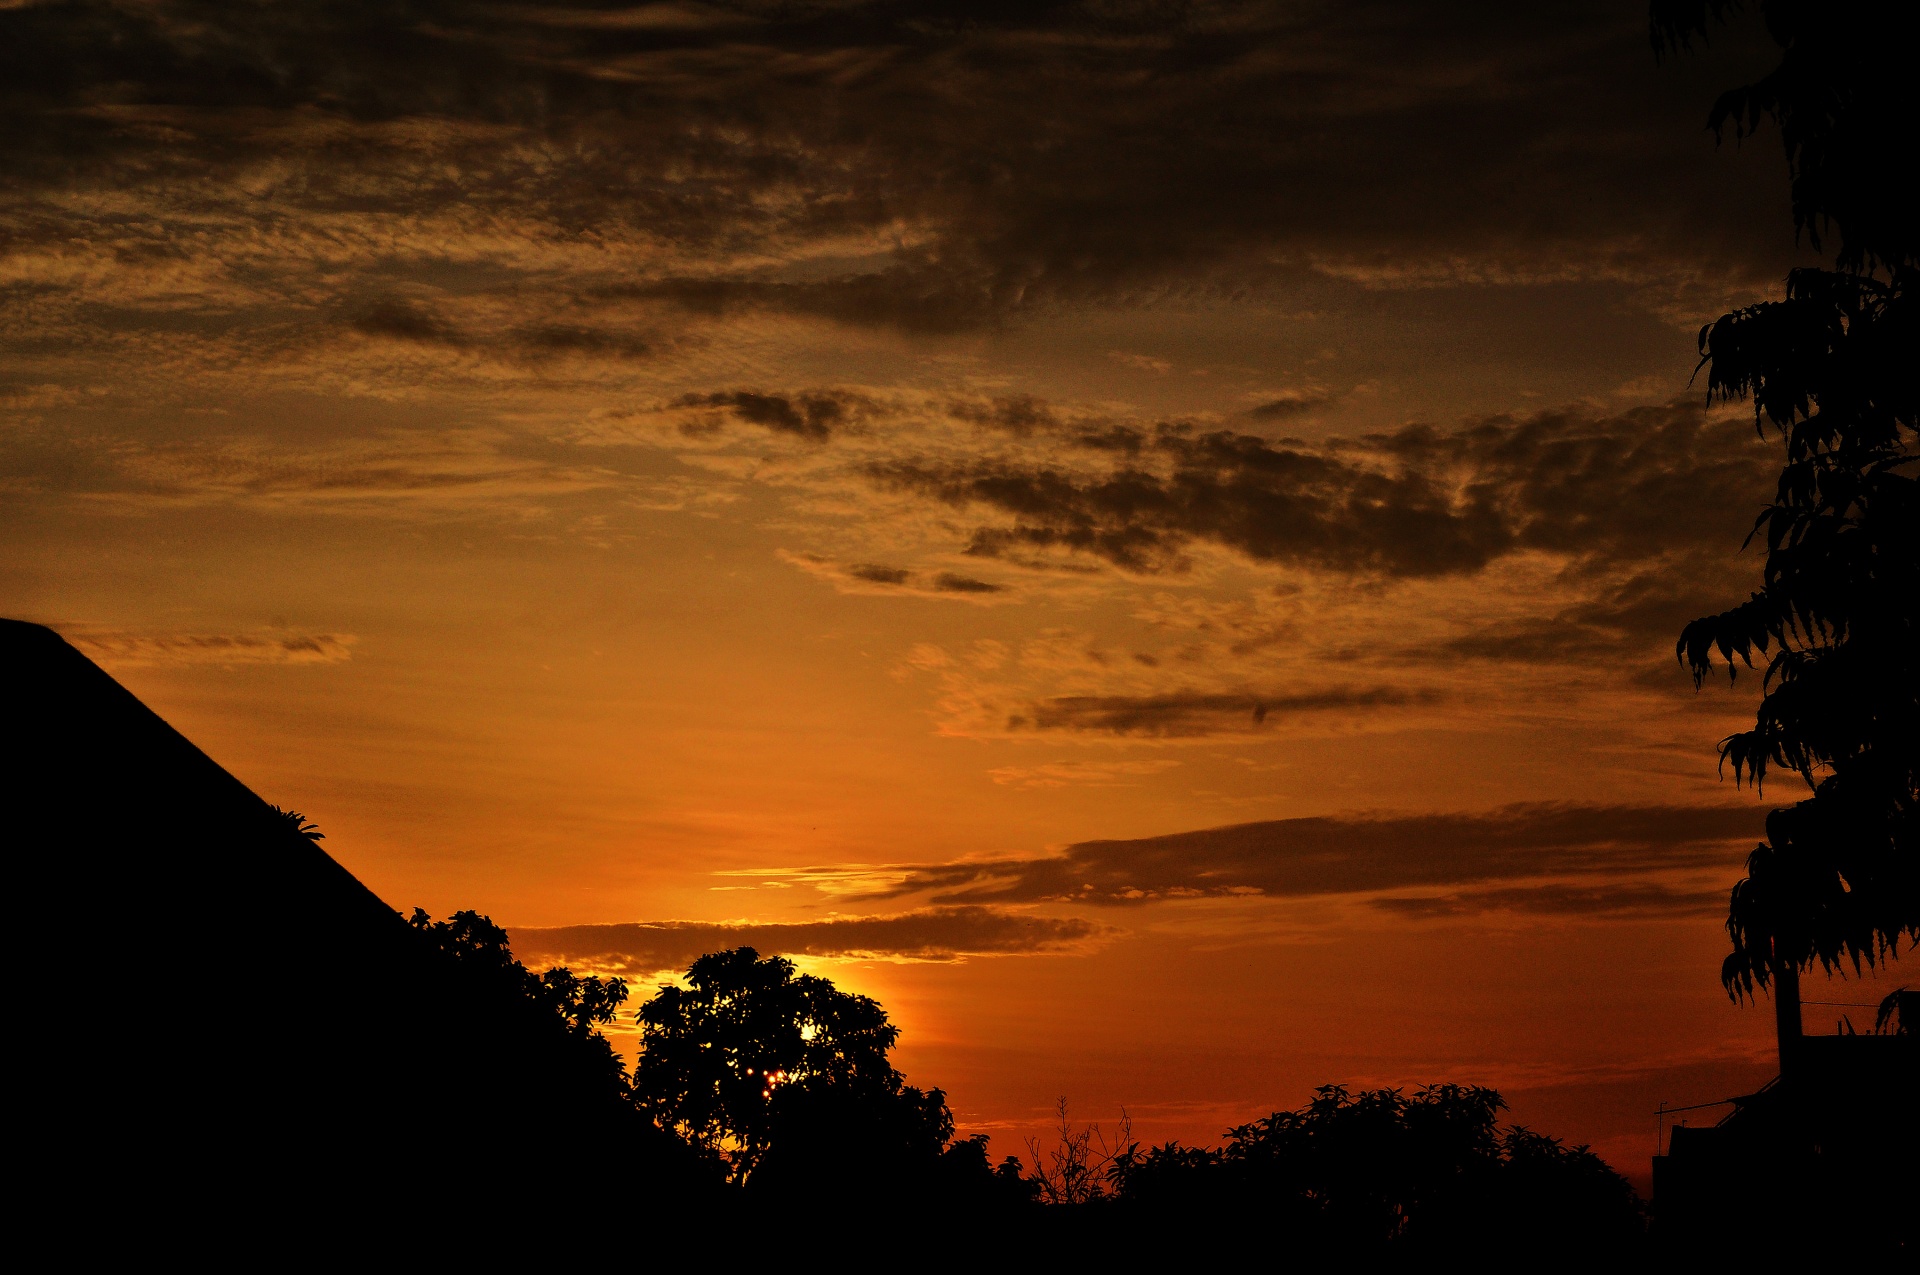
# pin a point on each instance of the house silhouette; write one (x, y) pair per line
(1825, 1158)
(226, 1031)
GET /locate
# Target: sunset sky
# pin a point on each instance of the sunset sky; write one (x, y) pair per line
(1146, 535)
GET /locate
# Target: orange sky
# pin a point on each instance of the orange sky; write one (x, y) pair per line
(830, 466)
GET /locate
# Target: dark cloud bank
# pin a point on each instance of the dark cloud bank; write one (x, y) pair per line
(928, 934)
(1415, 503)
(1290, 858)
(1003, 156)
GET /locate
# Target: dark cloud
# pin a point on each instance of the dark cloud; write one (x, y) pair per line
(1416, 503)
(1360, 854)
(1123, 439)
(543, 340)
(929, 934)
(1020, 414)
(905, 579)
(1287, 406)
(948, 582)
(1535, 642)
(1621, 899)
(1186, 713)
(812, 416)
(403, 320)
(1639, 612)
(1010, 156)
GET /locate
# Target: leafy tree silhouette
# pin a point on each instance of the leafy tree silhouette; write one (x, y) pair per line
(787, 1079)
(1831, 369)
(1379, 1170)
(574, 1004)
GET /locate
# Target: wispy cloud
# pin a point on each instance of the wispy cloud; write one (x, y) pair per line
(119, 648)
(927, 934)
(1085, 774)
(1613, 899)
(884, 579)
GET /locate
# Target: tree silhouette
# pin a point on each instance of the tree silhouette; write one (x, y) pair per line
(1075, 1170)
(1354, 1173)
(574, 1004)
(785, 1077)
(1831, 368)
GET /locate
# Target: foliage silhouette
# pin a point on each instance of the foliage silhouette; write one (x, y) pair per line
(1379, 1170)
(1073, 1171)
(786, 1079)
(553, 1020)
(579, 1003)
(1898, 1014)
(1830, 368)
(301, 824)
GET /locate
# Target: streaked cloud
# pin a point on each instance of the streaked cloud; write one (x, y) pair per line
(1197, 712)
(927, 934)
(1358, 854)
(1090, 774)
(121, 648)
(414, 472)
(1613, 899)
(883, 579)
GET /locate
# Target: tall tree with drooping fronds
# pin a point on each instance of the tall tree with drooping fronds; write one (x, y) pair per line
(1834, 369)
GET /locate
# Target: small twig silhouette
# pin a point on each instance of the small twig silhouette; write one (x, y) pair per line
(301, 824)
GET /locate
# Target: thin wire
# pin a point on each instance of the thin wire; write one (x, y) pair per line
(1667, 1111)
(1660, 1124)
(1846, 1004)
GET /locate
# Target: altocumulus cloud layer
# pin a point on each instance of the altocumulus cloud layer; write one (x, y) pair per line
(448, 204)
(1417, 502)
(544, 182)
(1587, 536)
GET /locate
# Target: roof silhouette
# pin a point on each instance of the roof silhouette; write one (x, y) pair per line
(225, 1027)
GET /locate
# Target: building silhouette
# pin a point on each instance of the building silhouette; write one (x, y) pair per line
(226, 1033)
(1820, 1159)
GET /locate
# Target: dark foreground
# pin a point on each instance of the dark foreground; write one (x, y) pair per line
(289, 1067)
